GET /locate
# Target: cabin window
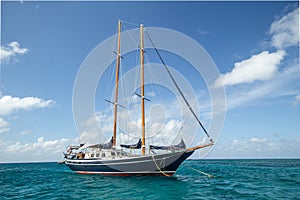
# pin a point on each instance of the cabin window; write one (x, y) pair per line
(103, 155)
(113, 154)
(92, 155)
(118, 153)
(97, 155)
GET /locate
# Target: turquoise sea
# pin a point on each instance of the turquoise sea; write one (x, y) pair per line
(233, 179)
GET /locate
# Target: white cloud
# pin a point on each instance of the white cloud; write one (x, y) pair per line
(258, 67)
(258, 140)
(285, 31)
(4, 125)
(258, 147)
(284, 83)
(41, 150)
(9, 104)
(11, 50)
(52, 146)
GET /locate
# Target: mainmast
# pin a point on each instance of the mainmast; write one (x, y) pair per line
(142, 85)
(117, 83)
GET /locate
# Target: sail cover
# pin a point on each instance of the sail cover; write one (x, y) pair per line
(138, 145)
(103, 146)
(181, 145)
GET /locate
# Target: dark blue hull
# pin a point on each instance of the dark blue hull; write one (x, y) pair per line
(161, 164)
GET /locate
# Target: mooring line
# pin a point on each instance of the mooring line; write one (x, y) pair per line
(201, 172)
(159, 167)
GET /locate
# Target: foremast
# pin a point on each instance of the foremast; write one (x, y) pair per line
(142, 85)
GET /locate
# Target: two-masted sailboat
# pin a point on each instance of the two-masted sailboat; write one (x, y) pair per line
(108, 159)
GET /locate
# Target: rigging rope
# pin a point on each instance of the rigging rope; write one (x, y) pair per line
(123, 25)
(173, 80)
(128, 22)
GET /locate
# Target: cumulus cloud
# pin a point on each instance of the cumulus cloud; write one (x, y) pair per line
(40, 150)
(285, 30)
(52, 146)
(11, 50)
(258, 67)
(284, 83)
(9, 104)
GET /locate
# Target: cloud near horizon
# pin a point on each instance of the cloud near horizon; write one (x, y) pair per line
(43, 150)
(258, 147)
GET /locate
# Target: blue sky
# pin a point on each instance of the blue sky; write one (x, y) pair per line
(43, 45)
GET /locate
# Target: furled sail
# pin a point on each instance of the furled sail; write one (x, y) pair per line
(181, 145)
(138, 145)
(103, 146)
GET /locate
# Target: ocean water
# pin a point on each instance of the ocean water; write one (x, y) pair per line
(233, 179)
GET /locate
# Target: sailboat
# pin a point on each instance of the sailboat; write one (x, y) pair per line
(109, 159)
